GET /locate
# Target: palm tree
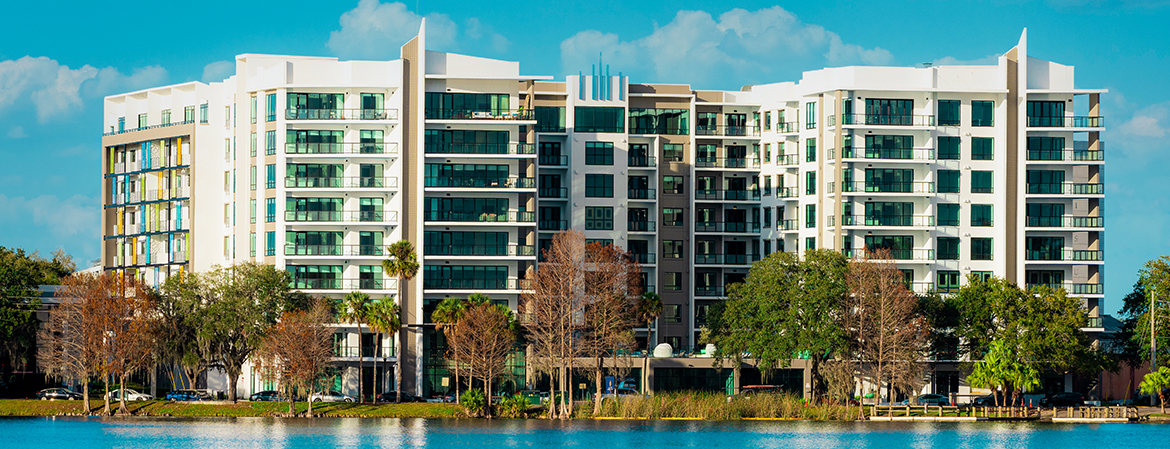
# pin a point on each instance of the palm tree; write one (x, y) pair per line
(354, 310)
(446, 314)
(383, 317)
(649, 308)
(402, 264)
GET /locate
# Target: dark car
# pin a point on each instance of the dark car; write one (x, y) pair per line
(267, 395)
(929, 399)
(392, 396)
(55, 394)
(1063, 400)
(749, 390)
(990, 400)
(188, 395)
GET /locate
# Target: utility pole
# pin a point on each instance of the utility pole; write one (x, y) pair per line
(1153, 336)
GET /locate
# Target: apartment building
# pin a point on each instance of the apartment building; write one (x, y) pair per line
(956, 170)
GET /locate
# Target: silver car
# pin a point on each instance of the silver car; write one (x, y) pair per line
(131, 395)
(330, 396)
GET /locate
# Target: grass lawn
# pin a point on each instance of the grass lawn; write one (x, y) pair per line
(22, 407)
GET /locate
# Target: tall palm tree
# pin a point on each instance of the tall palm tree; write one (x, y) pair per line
(353, 309)
(648, 309)
(446, 314)
(384, 318)
(402, 264)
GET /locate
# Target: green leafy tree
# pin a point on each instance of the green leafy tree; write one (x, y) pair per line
(402, 264)
(181, 306)
(20, 275)
(354, 308)
(787, 307)
(1155, 280)
(1156, 383)
(384, 317)
(994, 370)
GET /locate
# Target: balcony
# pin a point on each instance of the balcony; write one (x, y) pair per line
(345, 284)
(479, 183)
(472, 217)
(1065, 255)
(885, 187)
(353, 351)
(727, 130)
(642, 161)
(333, 250)
(341, 216)
(341, 114)
(480, 250)
(1066, 188)
(552, 225)
(642, 194)
(477, 284)
(1066, 155)
(1094, 322)
(892, 154)
(503, 149)
(327, 148)
(715, 291)
(1066, 122)
(644, 258)
(728, 195)
(787, 127)
(727, 227)
(787, 159)
(552, 160)
(787, 192)
(640, 226)
(1066, 222)
(884, 220)
(883, 120)
(660, 129)
(922, 255)
(726, 259)
(112, 132)
(726, 162)
(787, 225)
(344, 182)
(553, 192)
(1075, 289)
(476, 114)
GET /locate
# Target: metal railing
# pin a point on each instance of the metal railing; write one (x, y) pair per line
(477, 284)
(908, 154)
(667, 130)
(364, 351)
(640, 226)
(1066, 222)
(886, 187)
(883, 120)
(341, 148)
(552, 160)
(480, 250)
(479, 114)
(1067, 122)
(726, 259)
(727, 130)
(480, 148)
(1074, 288)
(344, 182)
(480, 183)
(883, 220)
(341, 216)
(642, 161)
(729, 195)
(552, 225)
(340, 114)
(163, 125)
(501, 217)
(710, 291)
(895, 254)
(787, 159)
(787, 127)
(643, 258)
(726, 162)
(642, 194)
(787, 192)
(787, 225)
(729, 226)
(1066, 155)
(333, 250)
(344, 284)
(553, 192)
(1067, 188)
(1065, 255)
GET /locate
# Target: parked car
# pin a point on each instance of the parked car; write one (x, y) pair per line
(750, 390)
(621, 393)
(1063, 400)
(54, 394)
(392, 396)
(330, 396)
(928, 399)
(266, 395)
(188, 395)
(131, 395)
(990, 400)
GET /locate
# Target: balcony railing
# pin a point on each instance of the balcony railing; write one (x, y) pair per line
(726, 259)
(1094, 323)
(1066, 222)
(710, 291)
(905, 154)
(1067, 188)
(643, 258)
(729, 226)
(333, 250)
(726, 162)
(341, 216)
(883, 220)
(344, 284)
(476, 114)
(363, 351)
(553, 192)
(787, 192)
(895, 254)
(345, 182)
(480, 148)
(729, 195)
(1074, 155)
(480, 250)
(671, 130)
(1067, 122)
(787, 225)
(886, 187)
(480, 183)
(640, 226)
(1075, 289)
(642, 161)
(642, 194)
(884, 120)
(341, 114)
(552, 160)
(477, 284)
(787, 159)
(341, 148)
(727, 130)
(1066, 255)
(552, 225)
(501, 217)
(787, 127)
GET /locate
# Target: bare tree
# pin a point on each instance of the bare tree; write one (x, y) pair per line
(887, 337)
(71, 339)
(613, 284)
(486, 336)
(297, 350)
(553, 313)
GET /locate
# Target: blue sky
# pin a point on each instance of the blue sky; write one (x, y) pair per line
(53, 73)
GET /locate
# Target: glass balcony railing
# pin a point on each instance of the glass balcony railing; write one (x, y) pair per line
(341, 216)
(1066, 155)
(640, 226)
(728, 195)
(1066, 188)
(345, 182)
(726, 259)
(553, 192)
(1067, 122)
(479, 148)
(1066, 222)
(480, 183)
(883, 220)
(641, 161)
(787, 225)
(787, 127)
(340, 148)
(886, 187)
(477, 284)
(341, 114)
(883, 120)
(707, 290)
(333, 250)
(643, 258)
(786, 159)
(344, 284)
(552, 225)
(354, 351)
(726, 162)
(1074, 288)
(478, 114)
(642, 194)
(895, 254)
(480, 250)
(905, 154)
(787, 192)
(553, 160)
(727, 130)
(485, 217)
(730, 227)
(1065, 255)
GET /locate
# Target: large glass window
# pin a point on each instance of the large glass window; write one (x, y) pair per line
(948, 214)
(466, 243)
(1046, 113)
(981, 215)
(810, 215)
(1045, 181)
(672, 185)
(810, 115)
(659, 121)
(313, 243)
(1045, 148)
(465, 141)
(948, 281)
(326, 277)
(982, 149)
(599, 218)
(1044, 248)
(598, 153)
(443, 105)
(948, 181)
(889, 180)
(1044, 277)
(672, 152)
(981, 181)
(598, 186)
(948, 148)
(269, 143)
(888, 214)
(465, 277)
(252, 109)
(270, 107)
(672, 281)
(948, 113)
(810, 183)
(466, 209)
(672, 249)
(270, 176)
(550, 119)
(882, 111)
(595, 119)
(888, 147)
(466, 175)
(981, 248)
(313, 175)
(1045, 215)
(810, 150)
(314, 105)
(901, 247)
(672, 216)
(948, 248)
(312, 209)
(982, 113)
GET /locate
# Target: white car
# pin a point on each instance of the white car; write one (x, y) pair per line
(330, 396)
(131, 395)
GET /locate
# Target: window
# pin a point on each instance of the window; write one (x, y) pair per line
(466, 209)
(672, 152)
(141, 121)
(270, 105)
(948, 281)
(592, 119)
(810, 215)
(948, 181)
(767, 152)
(981, 182)
(121, 124)
(252, 151)
(269, 210)
(948, 248)
(672, 281)
(454, 175)
(1046, 215)
(598, 153)
(660, 121)
(982, 113)
(1044, 248)
(270, 142)
(767, 120)
(203, 113)
(672, 216)
(252, 178)
(885, 214)
(981, 215)
(810, 150)
(901, 247)
(452, 243)
(672, 185)
(189, 114)
(810, 243)
(981, 248)
(948, 148)
(948, 113)
(881, 111)
(166, 116)
(270, 243)
(252, 244)
(948, 214)
(983, 276)
(550, 119)
(882, 147)
(465, 277)
(810, 115)
(672, 249)
(767, 217)
(252, 109)
(599, 218)
(1046, 113)
(442, 105)
(982, 148)
(1045, 148)
(889, 180)
(252, 210)
(598, 186)
(810, 183)
(270, 176)
(1045, 181)
(1044, 277)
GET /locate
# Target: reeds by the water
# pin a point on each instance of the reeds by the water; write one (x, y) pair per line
(715, 406)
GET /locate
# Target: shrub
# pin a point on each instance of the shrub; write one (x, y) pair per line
(473, 402)
(515, 406)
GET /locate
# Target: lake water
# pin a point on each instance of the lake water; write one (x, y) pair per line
(84, 433)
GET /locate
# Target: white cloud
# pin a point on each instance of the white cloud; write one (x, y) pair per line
(55, 89)
(218, 71)
(697, 48)
(77, 215)
(375, 30)
(951, 60)
(1148, 122)
(17, 132)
